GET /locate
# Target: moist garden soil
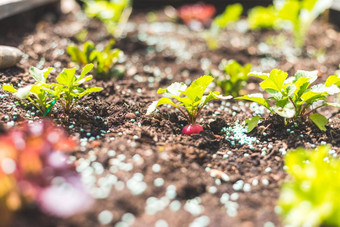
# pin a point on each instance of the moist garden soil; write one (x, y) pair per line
(118, 141)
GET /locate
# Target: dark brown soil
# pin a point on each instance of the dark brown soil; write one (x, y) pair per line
(114, 119)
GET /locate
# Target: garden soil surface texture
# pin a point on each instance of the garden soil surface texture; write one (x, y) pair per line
(140, 168)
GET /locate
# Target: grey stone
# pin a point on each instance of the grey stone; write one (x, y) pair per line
(9, 56)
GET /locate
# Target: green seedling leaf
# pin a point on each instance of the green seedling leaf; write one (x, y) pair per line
(256, 98)
(261, 18)
(9, 88)
(174, 90)
(309, 76)
(275, 80)
(333, 80)
(76, 54)
(162, 101)
(89, 91)
(310, 97)
(66, 77)
(87, 68)
(231, 14)
(260, 75)
(252, 122)
(319, 120)
(40, 75)
(196, 90)
(23, 92)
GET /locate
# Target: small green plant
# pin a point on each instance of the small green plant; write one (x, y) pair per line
(300, 15)
(311, 197)
(113, 14)
(261, 17)
(35, 93)
(234, 79)
(292, 97)
(103, 60)
(188, 100)
(231, 14)
(295, 15)
(67, 90)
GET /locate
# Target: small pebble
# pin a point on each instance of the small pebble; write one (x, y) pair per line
(130, 116)
(156, 168)
(175, 205)
(105, 217)
(161, 223)
(212, 190)
(9, 56)
(158, 182)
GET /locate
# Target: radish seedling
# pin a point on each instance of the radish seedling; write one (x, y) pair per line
(293, 97)
(188, 100)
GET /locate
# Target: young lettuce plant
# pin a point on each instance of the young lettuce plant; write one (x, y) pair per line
(113, 14)
(292, 97)
(300, 15)
(103, 60)
(234, 79)
(35, 93)
(232, 13)
(293, 15)
(311, 197)
(188, 100)
(67, 90)
(261, 17)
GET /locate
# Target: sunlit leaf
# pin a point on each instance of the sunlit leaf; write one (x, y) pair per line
(319, 120)
(275, 80)
(9, 88)
(252, 122)
(256, 98)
